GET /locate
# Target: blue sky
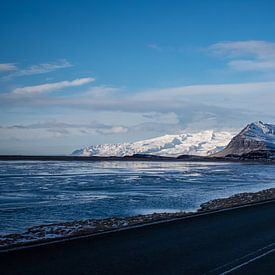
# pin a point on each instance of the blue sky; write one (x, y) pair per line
(76, 73)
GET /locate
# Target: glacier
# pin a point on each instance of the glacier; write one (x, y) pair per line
(201, 143)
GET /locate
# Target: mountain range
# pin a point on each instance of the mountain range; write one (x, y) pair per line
(255, 138)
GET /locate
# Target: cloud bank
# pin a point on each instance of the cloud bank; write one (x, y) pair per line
(56, 129)
(200, 106)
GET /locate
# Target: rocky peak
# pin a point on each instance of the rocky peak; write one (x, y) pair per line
(256, 136)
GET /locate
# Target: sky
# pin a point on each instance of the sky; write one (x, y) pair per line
(77, 73)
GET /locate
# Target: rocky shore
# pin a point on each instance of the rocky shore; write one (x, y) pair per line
(85, 227)
(82, 227)
(238, 199)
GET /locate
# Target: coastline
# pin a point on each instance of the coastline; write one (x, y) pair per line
(261, 157)
(53, 232)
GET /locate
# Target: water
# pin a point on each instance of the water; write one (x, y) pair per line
(33, 193)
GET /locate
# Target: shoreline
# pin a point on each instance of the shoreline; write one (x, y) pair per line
(261, 159)
(61, 231)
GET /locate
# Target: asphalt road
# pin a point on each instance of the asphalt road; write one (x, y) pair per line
(238, 241)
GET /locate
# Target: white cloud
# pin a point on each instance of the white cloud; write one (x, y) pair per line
(261, 49)
(37, 69)
(250, 55)
(154, 47)
(167, 48)
(52, 86)
(6, 67)
(113, 130)
(44, 68)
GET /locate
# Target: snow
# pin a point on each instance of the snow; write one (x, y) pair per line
(198, 143)
(260, 131)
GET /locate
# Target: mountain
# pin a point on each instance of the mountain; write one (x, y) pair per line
(256, 138)
(201, 143)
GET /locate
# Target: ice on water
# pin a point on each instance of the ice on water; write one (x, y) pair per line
(34, 193)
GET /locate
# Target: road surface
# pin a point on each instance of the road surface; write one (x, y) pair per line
(236, 241)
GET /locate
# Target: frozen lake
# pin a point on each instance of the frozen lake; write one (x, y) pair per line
(36, 192)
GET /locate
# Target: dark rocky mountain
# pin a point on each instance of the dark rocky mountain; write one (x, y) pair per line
(256, 140)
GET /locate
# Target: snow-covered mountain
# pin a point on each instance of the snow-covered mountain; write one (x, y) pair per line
(256, 136)
(201, 143)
